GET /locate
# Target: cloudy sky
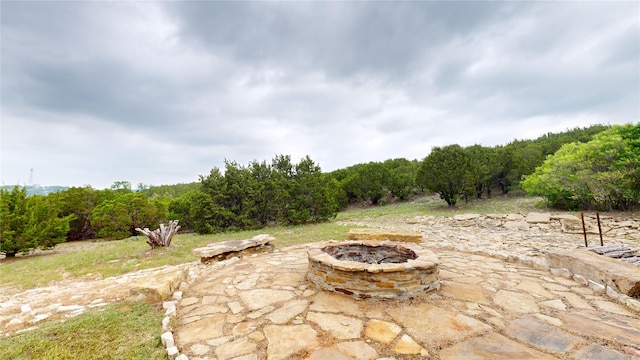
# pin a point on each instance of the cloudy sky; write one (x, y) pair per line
(162, 92)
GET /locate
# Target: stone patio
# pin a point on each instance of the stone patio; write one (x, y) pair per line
(263, 307)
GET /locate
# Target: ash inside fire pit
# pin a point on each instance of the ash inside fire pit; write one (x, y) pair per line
(371, 254)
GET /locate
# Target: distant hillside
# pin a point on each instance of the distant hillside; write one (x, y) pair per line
(37, 189)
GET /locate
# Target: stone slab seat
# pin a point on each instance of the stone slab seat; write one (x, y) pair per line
(159, 285)
(226, 249)
(622, 277)
(382, 234)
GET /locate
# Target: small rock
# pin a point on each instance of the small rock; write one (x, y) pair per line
(167, 339)
(172, 353)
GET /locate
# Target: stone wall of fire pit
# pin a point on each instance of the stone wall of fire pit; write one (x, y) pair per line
(362, 280)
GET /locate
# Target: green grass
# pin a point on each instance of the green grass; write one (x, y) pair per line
(119, 331)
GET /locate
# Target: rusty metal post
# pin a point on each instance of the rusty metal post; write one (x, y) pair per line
(584, 230)
(599, 228)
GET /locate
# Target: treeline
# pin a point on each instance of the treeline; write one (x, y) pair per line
(257, 195)
(276, 193)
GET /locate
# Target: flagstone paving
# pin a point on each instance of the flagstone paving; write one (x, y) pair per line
(262, 307)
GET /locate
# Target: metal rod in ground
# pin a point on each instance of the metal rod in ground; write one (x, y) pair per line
(584, 230)
(599, 228)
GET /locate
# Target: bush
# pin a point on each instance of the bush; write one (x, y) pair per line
(603, 174)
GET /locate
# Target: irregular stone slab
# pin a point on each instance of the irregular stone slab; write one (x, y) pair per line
(466, 292)
(538, 218)
(207, 328)
(564, 217)
(288, 311)
(464, 217)
(613, 308)
(235, 307)
(265, 310)
(284, 341)
(160, 285)
(334, 303)
(534, 288)
(382, 331)
(596, 352)
(206, 310)
(517, 302)
(620, 329)
(575, 300)
(550, 320)
(226, 249)
(435, 325)
(516, 225)
(514, 217)
(259, 298)
(358, 350)
(621, 276)
(235, 348)
(574, 226)
(382, 234)
(532, 331)
(331, 353)
(339, 326)
(492, 347)
(407, 346)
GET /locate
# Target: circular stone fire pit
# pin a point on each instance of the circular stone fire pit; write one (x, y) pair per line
(374, 269)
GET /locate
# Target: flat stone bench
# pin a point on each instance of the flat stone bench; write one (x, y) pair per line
(381, 234)
(622, 277)
(228, 249)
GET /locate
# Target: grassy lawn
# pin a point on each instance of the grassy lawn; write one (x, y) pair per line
(119, 331)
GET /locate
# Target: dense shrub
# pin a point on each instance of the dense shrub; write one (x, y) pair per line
(602, 174)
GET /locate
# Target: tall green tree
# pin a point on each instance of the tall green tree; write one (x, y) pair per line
(79, 202)
(28, 223)
(483, 167)
(446, 171)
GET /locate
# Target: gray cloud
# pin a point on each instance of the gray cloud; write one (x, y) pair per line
(94, 92)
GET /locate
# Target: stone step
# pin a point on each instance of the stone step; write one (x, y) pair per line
(159, 285)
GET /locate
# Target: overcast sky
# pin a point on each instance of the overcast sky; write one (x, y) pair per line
(162, 92)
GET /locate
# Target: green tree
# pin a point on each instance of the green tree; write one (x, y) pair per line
(602, 174)
(118, 218)
(121, 186)
(401, 179)
(445, 171)
(79, 202)
(483, 167)
(311, 197)
(31, 222)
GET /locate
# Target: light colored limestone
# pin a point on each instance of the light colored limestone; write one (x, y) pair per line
(287, 340)
(382, 331)
(516, 302)
(340, 326)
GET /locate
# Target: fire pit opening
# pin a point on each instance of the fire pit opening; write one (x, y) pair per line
(374, 269)
(371, 254)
